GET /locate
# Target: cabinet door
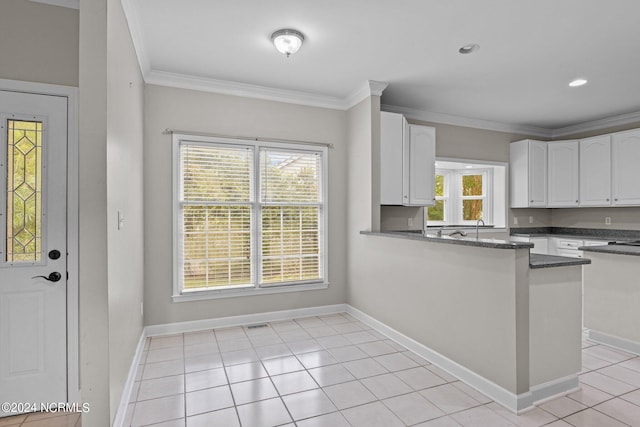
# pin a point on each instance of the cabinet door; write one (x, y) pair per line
(391, 160)
(595, 171)
(563, 164)
(626, 159)
(537, 174)
(422, 148)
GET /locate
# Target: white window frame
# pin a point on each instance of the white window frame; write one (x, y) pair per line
(446, 173)
(254, 288)
(453, 208)
(486, 196)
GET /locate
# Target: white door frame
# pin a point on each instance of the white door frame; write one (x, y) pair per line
(71, 93)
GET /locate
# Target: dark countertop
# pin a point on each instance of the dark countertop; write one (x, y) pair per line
(613, 249)
(547, 261)
(577, 233)
(466, 241)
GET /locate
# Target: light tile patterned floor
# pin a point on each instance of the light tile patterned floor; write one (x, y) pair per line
(335, 371)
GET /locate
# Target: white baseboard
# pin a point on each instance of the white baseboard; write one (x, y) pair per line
(612, 341)
(128, 385)
(247, 319)
(553, 389)
(517, 403)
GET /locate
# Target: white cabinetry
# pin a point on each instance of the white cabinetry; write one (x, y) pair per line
(595, 171)
(407, 162)
(625, 163)
(563, 174)
(528, 173)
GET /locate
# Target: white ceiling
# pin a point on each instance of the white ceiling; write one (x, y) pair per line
(529, 51)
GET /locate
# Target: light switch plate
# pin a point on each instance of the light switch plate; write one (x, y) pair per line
(120, 220)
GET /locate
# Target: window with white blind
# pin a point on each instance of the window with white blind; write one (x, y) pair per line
(249, 216)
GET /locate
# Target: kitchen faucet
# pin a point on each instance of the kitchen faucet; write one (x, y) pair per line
(480, 220)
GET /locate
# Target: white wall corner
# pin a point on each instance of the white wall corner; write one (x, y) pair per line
(135, 29)
(119, 419)
(365, 90)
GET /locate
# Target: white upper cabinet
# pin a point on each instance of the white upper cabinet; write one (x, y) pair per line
(528, 173)
(407, 162)
(625, 151)
(563, 174)
(595, 171)
(392, 130)
(421, 170)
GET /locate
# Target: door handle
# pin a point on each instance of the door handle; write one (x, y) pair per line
(53, 277)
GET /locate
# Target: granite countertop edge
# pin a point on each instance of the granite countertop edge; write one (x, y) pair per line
(466, 241)
(537, 261)
(613, 249)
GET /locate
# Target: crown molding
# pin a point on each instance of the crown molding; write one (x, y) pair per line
(71, 4)
(450, 119)
(182, 81)
(367, 89)
(621, 120)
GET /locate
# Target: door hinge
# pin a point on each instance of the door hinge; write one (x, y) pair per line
(67, 275)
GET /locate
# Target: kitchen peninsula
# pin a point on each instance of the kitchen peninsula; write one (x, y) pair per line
(611, 285)
(503, 321)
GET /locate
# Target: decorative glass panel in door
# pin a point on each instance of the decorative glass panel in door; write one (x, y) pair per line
(24, 191)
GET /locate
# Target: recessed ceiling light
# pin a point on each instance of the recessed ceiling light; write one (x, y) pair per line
(469, 48)
(578, 82)
(468, 166)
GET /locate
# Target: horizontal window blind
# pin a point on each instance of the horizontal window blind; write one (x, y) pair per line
(216, 212)
(250, 215)
(290, 191)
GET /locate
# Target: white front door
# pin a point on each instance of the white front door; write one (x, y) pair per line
(33, 249)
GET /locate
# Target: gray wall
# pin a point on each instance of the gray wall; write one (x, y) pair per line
(94, 310)
(211, 113)
(125, 116)
(111, 140)
(38, 43)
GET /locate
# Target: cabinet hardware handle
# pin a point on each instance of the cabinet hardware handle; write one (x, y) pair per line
(615, 200)
(607, 200)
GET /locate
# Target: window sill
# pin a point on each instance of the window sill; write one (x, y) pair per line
(247, 292)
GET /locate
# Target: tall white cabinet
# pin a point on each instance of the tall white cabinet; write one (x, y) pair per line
(625, 153)
(595, 171)
(407, 162)
(563, 165)
(528, 173)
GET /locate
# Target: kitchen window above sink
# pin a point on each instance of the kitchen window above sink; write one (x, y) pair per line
(467, 191)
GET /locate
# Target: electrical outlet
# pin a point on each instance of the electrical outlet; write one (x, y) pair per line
(530, 220)
(515, 220)
(607, 220)
(410, 222)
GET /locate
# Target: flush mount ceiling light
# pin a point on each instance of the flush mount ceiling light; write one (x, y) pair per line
(469, 48)
(578, 82)
(287, 41)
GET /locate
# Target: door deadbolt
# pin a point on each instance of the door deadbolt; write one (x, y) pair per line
(54, 254)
